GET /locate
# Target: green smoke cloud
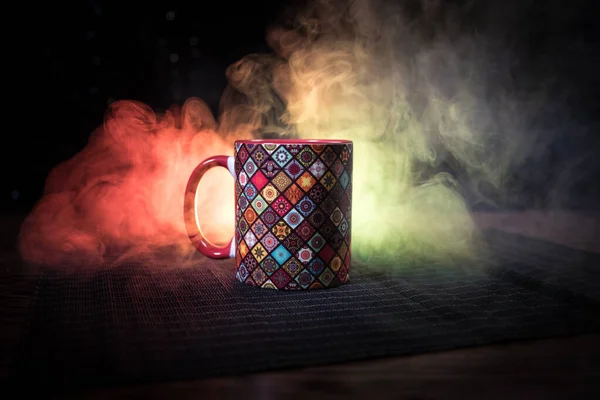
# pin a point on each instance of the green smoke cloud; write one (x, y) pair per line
(433, 114)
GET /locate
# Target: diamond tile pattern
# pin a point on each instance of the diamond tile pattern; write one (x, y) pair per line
(294, 214)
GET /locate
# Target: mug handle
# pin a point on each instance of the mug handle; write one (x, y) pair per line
(189, 209)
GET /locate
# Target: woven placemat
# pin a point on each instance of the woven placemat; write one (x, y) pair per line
(132, 324)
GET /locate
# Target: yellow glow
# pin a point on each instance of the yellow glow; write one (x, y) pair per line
(405, 112)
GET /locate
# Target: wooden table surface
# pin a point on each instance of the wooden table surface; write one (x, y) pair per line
(557, 368)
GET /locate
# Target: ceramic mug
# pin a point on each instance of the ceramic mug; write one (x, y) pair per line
(293, 202)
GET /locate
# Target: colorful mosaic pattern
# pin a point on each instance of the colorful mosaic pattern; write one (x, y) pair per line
(293, 214)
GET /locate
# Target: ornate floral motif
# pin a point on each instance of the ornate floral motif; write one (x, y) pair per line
(293, 218)
(281, 181)
(294, 193)
(306, 181)
(259, 156)
(328, 180)
(269, 218)
(281, 206)
(250, 168)
(281, 230)
(305, 230)
(293, 209)
(293, 243)
(269, 241)
(306, 156)
(259, 204)
(294, 169)
(250, 192)
(317, 169)
(270, 168)
(269, 193)
(281, 156)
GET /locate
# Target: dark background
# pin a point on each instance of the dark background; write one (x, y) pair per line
(75, 58)
(71, 60)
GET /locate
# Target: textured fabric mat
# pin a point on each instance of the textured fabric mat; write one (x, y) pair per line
(132, 324)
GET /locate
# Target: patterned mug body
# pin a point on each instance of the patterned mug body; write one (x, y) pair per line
(293, 212)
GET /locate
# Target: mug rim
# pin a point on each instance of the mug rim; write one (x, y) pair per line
(294, 141)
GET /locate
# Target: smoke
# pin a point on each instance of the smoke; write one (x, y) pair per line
(442, 123)
(437, 120)
(121, 198)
